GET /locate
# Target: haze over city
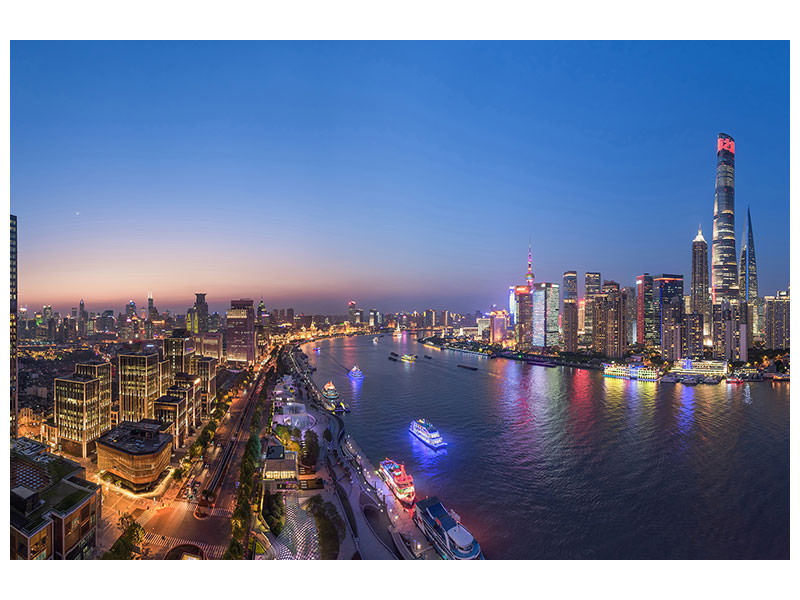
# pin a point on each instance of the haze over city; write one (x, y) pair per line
(399, 175)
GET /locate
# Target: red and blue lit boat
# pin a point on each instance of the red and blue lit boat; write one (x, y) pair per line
(400, 482)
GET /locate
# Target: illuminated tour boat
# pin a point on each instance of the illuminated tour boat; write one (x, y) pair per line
(408, 358)
(427, 433)
(400, 482)
(445, 531)
(630, 371)
(356, 373)
(397, 332)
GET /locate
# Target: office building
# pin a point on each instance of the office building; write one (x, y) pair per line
(729, 322)
(139, 385)
(524, 326)
(645, 311)
(570, 287)
(13, 328)
(667, 290)
(672, 332)
(136, 453)
(187, 385)
(498, 326)
(210, 345)
(776, 321)
(569, 324)
(100, 370)
(693, 336)
(205, 367)
(700, 303)
(241, 338)
(54, 509)
(724, 284)
(545, 308)
(201, 311)
(171, 411)
(748, 276)
(592, 288)
(77, 413)
(178, 350)
(630, 314)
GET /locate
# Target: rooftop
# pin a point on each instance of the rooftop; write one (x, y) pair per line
(143, 437)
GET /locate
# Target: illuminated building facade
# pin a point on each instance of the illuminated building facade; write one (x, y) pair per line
(723, 244)
(205, 367)
(569, 324)
(171, 411)
(13, 328)
(545, 309)
(178, 350)
(201, 312)
(667, 291)
(77, 413)
(241, 343)
(524, 326)
(139, 385)
(570, 287)
(498, 326)
(693, 336)
(700, 303)
(101, 370)
(591, 289)
(137, 453)
(645, 311)
(729, 322)
(54, 509)
(776, 321)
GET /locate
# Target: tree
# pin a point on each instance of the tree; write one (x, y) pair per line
(125, 521)
(327, 436)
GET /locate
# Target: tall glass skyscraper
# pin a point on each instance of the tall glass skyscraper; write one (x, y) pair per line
(748, 279)
(645, 310)
(723, 244)
(700, 304)
(13, 327)
(570, 291)
(545, 307)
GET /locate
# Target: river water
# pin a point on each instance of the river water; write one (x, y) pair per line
(562, 463)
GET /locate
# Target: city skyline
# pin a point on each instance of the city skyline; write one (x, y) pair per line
(409, 219)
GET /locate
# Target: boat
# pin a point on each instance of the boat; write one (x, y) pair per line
(711, 380)
(393, 358)
(397, 332)
(317, 349)
(669, 378)
(734, 380)
(428, 357)
(468, 367)
(393, 354)
(407, 358)
(400, 482)
(341, 407)
(780, 377)
(329, 391)
(427, 433)
(445, 532)
(690, 381)
(356, 373)
(374, 340)
(541, 363)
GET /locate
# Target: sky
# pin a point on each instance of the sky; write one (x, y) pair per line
(402, 175)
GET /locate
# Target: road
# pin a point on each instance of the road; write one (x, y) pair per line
(177, 521)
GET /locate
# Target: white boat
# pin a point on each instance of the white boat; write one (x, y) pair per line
(356, 373)
(445, 531)
(427, 433)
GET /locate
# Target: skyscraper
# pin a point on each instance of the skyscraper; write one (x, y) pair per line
(591, 289)
(723, 244)
(748, 277)
(13, 328)
(700, 302)
(201, 313)
(776, 321)
(645, 318)
(524, 332)
(667, 291)
(569, 325)
(139, 385)
(570, 289)
(100, 370)
(178, 350)
(529, 274)
(77, 413)
(241, 332)
(545, 315)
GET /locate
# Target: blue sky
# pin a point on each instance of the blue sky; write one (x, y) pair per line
(402, 175)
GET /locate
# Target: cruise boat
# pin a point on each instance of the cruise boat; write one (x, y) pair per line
(690, 381)
(356, 373)
(427, 433)
(711, 380)
(397, 332)
(329, 391)
(374, 340)
(400, 482)
(445, 531)
(407, 358)
(780, 377)
(669, 378)
(316, 349)
(734, 380)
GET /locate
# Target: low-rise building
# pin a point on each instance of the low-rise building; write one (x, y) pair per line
(280, 468)
(135, 452)
(292, 414)
(54, 510)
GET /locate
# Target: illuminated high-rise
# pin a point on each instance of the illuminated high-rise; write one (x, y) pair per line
(77, 413)
(13, 328)
(178, 350)
(523, 327)
(667, 291)
(100, 370)
(201, 313)
(545, 315)
(569, 324)
(724, 284)
(241, 346)
(570, 288)
(700, 303)
(776, 321)
(139, 385)
(591, 289)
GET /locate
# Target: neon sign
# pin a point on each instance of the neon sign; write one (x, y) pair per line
(725, 144)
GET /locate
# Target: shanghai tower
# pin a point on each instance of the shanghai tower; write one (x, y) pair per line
(723, 245)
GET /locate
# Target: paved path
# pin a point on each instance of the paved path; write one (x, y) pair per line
(298, 539)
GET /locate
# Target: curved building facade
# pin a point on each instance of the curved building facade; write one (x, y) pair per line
(724, 284)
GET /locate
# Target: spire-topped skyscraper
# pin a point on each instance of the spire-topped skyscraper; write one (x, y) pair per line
(748, 278)
(723, 241)
(700, 304)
